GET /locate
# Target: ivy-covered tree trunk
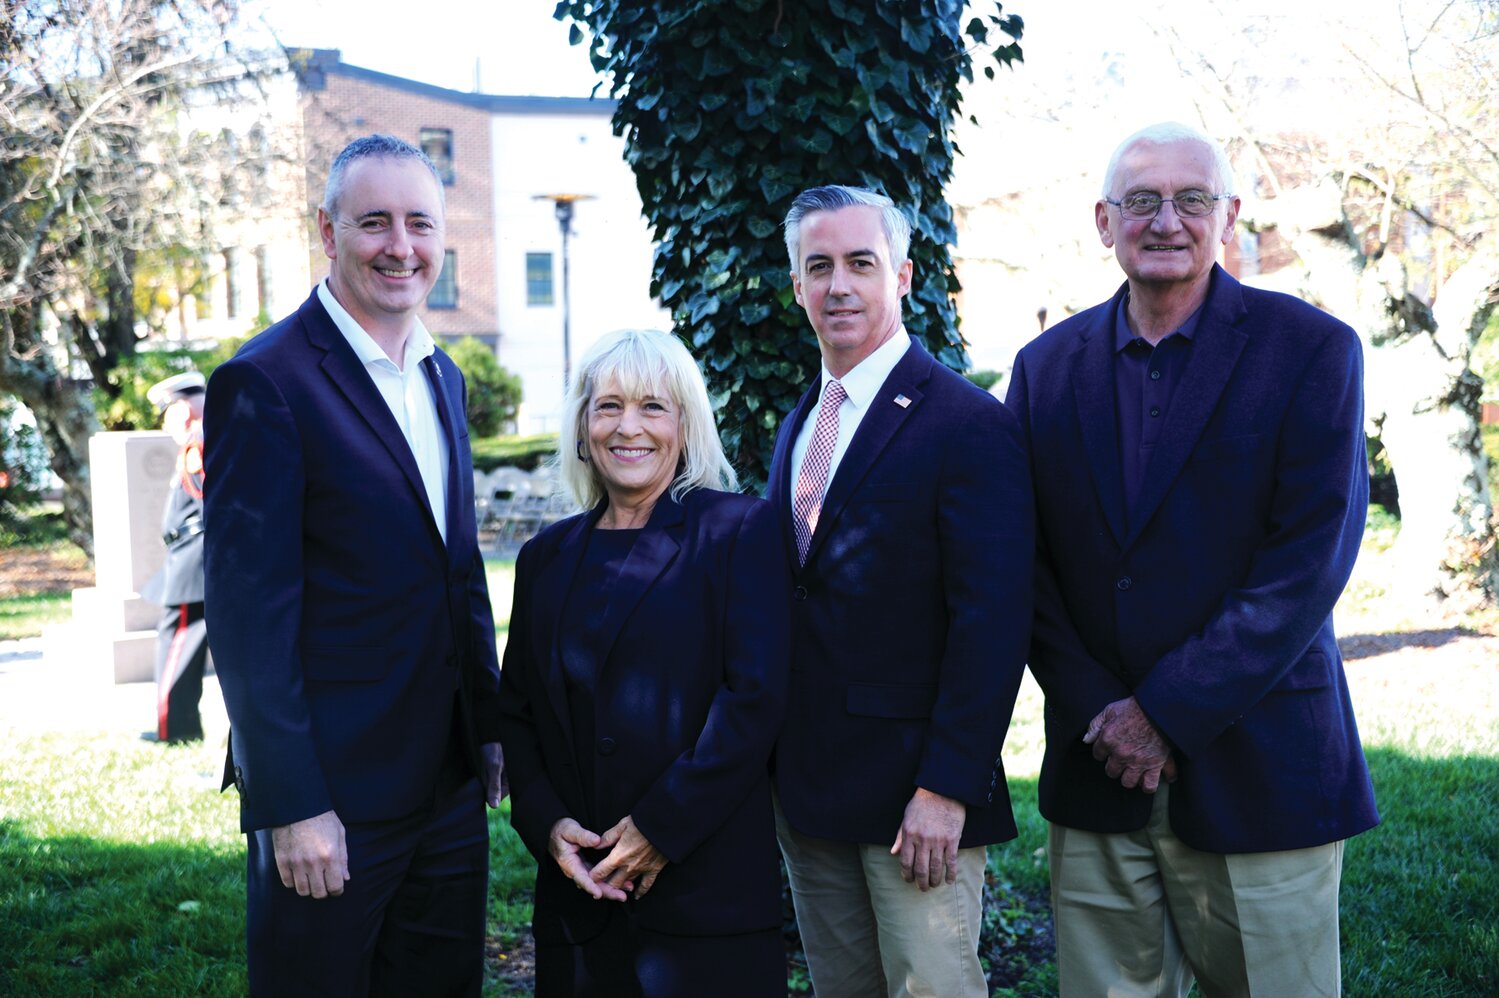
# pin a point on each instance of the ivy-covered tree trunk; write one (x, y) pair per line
(731, 108)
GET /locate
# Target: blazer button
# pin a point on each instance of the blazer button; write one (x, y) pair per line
(799, 593)
(606, 746)
(1124, 583)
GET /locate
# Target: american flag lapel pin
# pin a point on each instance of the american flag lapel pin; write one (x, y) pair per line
(902, 401)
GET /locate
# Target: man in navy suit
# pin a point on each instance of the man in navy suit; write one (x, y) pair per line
(1198, 454)
(905, 505)
(353, 636)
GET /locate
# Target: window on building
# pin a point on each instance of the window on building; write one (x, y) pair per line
(437, 143)
(539, 279)
(444, 293)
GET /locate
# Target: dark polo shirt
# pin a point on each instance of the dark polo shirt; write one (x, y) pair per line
(1145, 379)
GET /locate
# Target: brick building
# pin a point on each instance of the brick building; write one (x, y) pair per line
(502, 278)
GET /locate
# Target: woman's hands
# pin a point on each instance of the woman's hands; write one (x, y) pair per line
(631, 861)
(566, 843)
(632, 864)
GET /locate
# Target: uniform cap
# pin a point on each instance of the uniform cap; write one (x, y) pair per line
(178, 386)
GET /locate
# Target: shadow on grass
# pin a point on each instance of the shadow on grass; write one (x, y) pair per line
(85, 917)
(82, 916)
(1356, 646)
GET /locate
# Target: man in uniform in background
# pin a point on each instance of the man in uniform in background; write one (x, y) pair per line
(181, 635)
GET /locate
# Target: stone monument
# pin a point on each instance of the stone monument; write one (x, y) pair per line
(130, 474)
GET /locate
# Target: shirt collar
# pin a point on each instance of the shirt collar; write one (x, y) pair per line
(1124, 336)
(419, 344)
(866, 377)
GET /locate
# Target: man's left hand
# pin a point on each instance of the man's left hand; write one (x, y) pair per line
(496, 786)
(1130, 746)
(927, 842)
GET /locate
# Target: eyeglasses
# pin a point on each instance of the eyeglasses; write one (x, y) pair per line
(1188, 204)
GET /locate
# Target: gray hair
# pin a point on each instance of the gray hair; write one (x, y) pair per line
(1165, 133)
(643, 362)
(836, 196)
(387, 146)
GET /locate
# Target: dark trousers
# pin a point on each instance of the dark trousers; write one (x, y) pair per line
(181, 658)
(627, 961)
(409, 922)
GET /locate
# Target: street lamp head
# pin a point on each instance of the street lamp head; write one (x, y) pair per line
(564, 206)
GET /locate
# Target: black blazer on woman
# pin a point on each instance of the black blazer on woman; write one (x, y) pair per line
(691, 666)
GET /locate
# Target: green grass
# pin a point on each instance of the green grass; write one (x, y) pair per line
(124, 870)
(24, 616)
(130, 879)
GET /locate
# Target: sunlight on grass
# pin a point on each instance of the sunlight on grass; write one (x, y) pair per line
(25, 616)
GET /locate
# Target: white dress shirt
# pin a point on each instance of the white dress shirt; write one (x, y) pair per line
(862, 383)
(411, 398)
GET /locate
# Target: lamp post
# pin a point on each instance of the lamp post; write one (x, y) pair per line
(564, 207)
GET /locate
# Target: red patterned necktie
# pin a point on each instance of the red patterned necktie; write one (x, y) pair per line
(813, 480)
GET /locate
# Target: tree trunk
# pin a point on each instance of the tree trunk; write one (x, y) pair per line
(1421, 397)
(64, 413)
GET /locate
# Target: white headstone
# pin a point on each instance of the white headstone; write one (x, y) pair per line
(112, 624)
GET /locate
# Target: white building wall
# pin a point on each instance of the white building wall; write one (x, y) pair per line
(610, 248)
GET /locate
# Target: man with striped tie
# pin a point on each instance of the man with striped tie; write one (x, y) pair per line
(905, 502)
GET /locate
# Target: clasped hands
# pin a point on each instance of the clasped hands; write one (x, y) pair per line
(1130, 746)
(630, 868)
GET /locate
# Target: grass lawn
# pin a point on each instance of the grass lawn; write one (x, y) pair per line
(24, 616)
(124, 870)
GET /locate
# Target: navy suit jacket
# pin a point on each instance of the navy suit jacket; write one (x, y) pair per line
(343, 626)
(691, 685)
(1213, 607)
(911, 616)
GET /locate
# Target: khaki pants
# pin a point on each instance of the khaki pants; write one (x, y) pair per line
(1141, 914)
(868, 933)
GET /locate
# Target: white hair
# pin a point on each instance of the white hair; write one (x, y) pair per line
(1166, 133)
(641, 363)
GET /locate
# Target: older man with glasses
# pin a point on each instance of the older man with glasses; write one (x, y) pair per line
(1198, 456)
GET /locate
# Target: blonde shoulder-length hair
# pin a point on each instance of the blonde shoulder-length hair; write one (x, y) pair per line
(641, 363)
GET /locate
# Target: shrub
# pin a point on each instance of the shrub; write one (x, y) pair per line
(494, 393)
(122, 404)
(984, 379)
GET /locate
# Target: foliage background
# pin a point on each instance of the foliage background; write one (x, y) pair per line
(494, 392)
(729, 110)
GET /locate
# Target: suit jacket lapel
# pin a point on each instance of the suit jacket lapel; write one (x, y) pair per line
(780, 485)
(348, 375)
(553, 583)
(1215, 351)
(448, 416)
(876, 429)
(1098, 417)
